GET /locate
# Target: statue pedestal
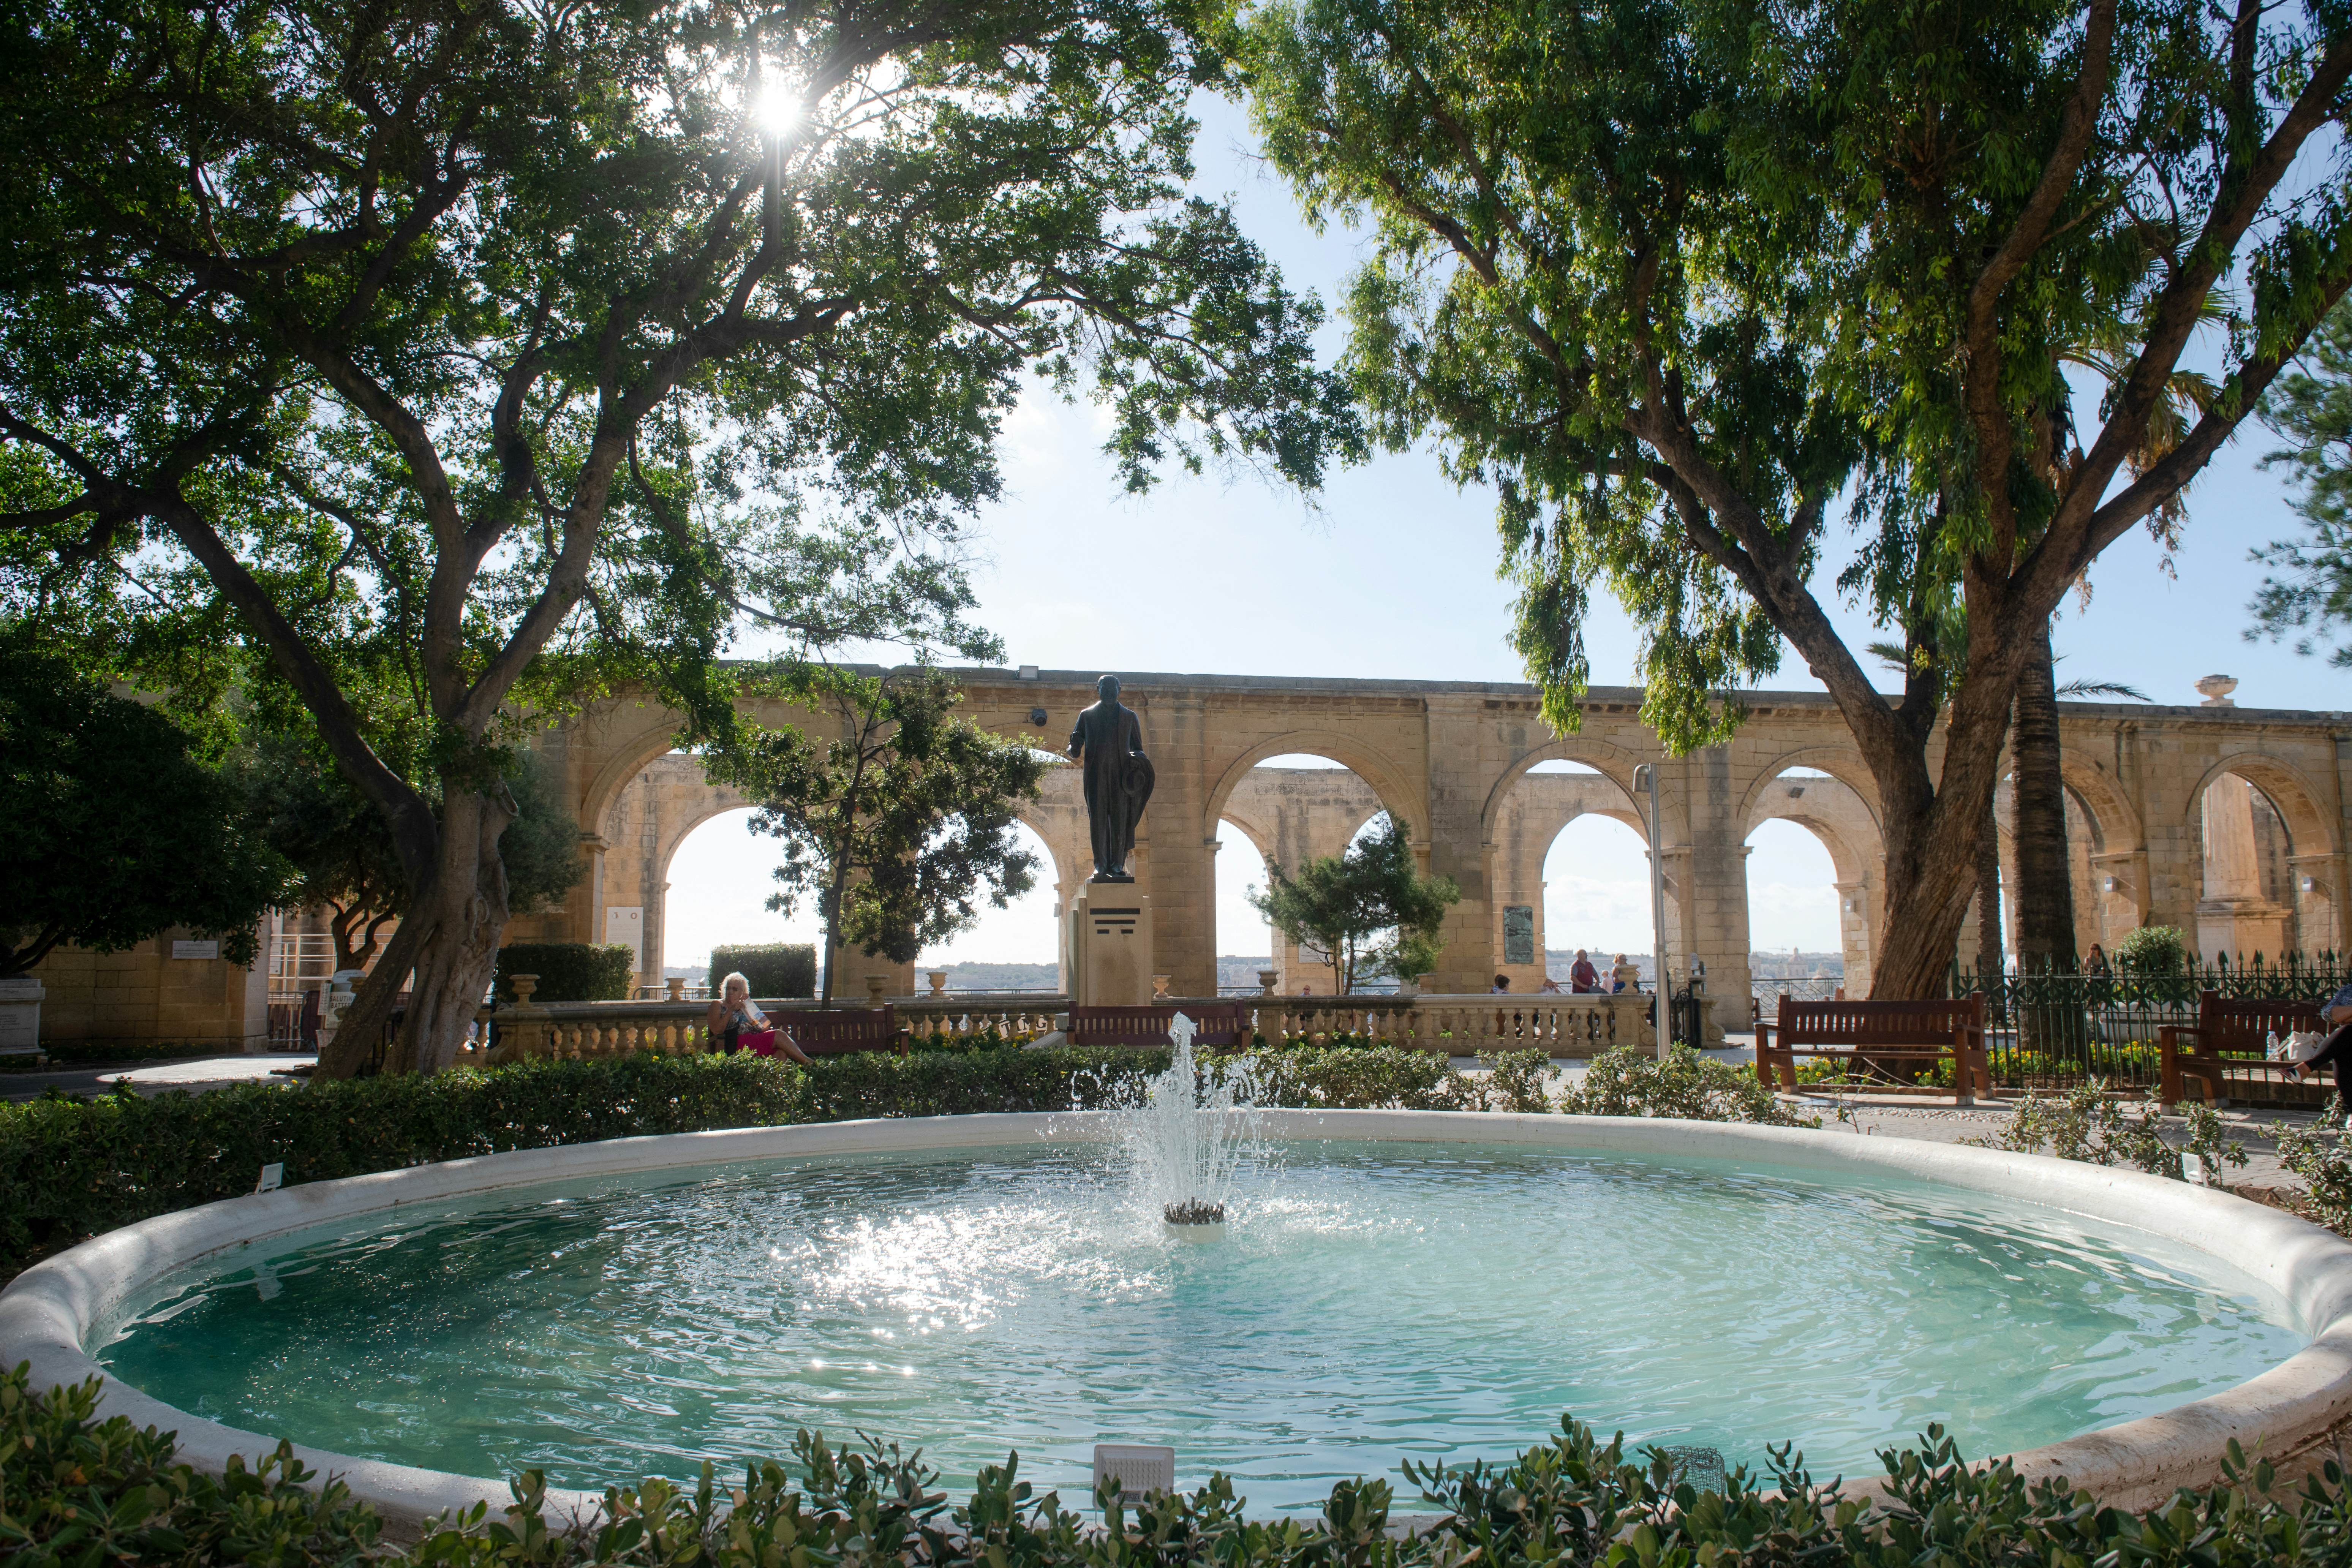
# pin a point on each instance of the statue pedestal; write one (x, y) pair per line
(1106, 943)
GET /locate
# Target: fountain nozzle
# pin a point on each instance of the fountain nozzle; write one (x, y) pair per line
(1194, 1211)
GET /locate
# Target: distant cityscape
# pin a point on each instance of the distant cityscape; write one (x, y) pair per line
(1237, 973)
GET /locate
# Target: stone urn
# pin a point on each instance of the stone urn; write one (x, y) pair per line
(1268, 979)
(874, 984)
(938, 979)
(1159, 983)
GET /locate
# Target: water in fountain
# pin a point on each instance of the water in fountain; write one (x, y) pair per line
(1184, 1133)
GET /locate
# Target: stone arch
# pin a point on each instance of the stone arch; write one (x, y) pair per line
(1388, 782)
(2111, 814)
(1841, 764)
(2293, 796)
(1613, 762)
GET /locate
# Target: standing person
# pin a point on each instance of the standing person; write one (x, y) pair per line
(1582, 978)
(733, 1014)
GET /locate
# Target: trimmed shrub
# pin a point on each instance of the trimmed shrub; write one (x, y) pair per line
(75, 1490)
(570, 971)
(1685, 1087)
(775, 969)
(2152, 950)
(73, 1167)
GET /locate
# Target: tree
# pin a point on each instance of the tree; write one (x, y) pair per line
(1688, 282)
(338, 844)
(899, 826)
(117, 833)
(2310, 597)
(553, 348)
(1370, 908)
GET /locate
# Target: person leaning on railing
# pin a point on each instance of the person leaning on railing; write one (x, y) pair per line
(2338, 1014)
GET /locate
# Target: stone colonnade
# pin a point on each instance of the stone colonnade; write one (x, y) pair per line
(1453, 762)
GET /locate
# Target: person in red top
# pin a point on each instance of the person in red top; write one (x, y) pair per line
(1582, 978)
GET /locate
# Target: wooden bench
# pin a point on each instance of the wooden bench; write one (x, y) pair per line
(842, 1031)
(1876, 1032)
(1224, 1025)
(2229, 1039)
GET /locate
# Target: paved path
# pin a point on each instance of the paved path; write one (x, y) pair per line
(195, 1074)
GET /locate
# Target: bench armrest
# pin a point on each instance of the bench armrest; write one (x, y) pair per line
(1764, 1036)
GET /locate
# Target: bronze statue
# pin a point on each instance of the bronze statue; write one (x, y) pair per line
(1108, 741)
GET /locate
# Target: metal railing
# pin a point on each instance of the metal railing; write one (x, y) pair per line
(2051, 1029)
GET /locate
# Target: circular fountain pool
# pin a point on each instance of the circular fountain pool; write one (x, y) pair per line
(1388, 1284)
(1367, 1301)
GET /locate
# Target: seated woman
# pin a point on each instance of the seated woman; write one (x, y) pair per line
(2338, 1014)
(733, 1014)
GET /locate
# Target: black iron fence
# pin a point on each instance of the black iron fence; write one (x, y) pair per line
(2051, 1029)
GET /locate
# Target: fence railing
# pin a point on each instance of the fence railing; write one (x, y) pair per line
(1558, 1026)
(2051, 1029)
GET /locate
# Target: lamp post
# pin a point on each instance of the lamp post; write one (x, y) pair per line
(1646, 777)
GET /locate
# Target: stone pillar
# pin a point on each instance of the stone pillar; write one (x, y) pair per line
(1462, 759)
(1857, 923)
(1715, 904)
(2318, 927)
(2233, 918)
(1176, 865)
(584, 906)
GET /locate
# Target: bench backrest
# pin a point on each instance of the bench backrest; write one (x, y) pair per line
(1226, 1023)
(1878, 1023)
(841, 1031)
(2239, 1023)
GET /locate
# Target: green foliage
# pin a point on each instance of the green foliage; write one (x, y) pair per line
(2152, 950)
(75, 1490)
(1518, 1081)
(84, 1493)
(75, 1167)
(775, 969)
(1685, 1086)
(901, 825)
(2310, 597)
(569, 971)
(489, 356)
(2089, 1124)
(116, 834)
(541, 847)
(2321, 1153)
(1370, 908)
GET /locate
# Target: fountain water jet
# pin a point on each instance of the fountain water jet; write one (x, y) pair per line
(1185, 1133)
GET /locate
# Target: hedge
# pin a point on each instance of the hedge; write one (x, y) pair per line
(77, 1489)
(775, 969)
(570, 971)
(70, 1168)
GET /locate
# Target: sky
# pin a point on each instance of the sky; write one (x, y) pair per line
(1390, 574)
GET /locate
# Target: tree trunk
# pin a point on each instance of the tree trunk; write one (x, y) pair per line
(1989, 960)
(445, 951)
(2045, 881)
(1932, 828)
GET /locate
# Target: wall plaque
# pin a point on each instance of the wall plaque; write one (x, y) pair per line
(196, 949)
(1519, 934)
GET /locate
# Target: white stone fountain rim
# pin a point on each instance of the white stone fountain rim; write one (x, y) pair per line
(49, 1312)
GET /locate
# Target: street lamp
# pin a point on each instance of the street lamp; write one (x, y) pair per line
(1646, 777)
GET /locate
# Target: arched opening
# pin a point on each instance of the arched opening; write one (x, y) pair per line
(1286, 810)
(1796, 940)
(2248, 905)
(1814, 858)
(1571, 871)
(719, 877)
(1013, 948)
(2095, 909)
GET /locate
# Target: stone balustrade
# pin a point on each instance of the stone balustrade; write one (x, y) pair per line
(676, 1027)
(1557, 1025)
